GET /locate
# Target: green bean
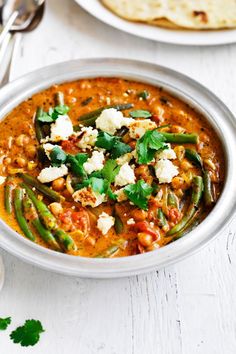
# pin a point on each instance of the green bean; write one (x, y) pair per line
(32, 215)
(65, 240)
(180, 138)
(112, 249)
(193, 222)
(42, 157)
(38, 126)
(172, 200)
(119, 226)
(161, 217)
(18, 205)
(8, 191)
(108, 252)
(197, 188)
(49, 193)
(208, 196)
(45, 215)
(193, 156)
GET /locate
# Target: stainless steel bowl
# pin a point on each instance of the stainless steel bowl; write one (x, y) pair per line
(188, 90)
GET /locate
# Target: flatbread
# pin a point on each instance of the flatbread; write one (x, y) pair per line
(190, 14)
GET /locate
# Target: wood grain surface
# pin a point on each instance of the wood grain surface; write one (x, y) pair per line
(188, 308)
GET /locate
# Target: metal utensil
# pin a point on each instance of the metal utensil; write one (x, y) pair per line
(16, 31)
(17, 15)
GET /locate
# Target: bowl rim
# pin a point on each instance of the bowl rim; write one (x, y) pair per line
(189, 90)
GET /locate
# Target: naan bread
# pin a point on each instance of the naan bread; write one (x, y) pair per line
(191, 14)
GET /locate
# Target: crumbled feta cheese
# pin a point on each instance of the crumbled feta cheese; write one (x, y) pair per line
(139, 127)
(121, 196)
(49, 174)
(61, 129)
(2, 179)
(110, 120)
(130, 221)
(125, 176)
(165, 171)
(89, 138)
(87, 197)
(48, 148)
(105, 222)
(95, 162)
(168, 154)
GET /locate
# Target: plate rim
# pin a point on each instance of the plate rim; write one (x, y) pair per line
(165, 34)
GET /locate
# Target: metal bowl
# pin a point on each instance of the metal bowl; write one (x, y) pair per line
(179, 85)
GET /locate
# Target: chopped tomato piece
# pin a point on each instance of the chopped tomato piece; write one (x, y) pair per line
(144, 226)
(174, 215)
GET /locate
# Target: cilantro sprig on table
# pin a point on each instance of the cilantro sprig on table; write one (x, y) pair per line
(53, 114)
(112, 144)
(139, 193)
(4, 323)
(151, 142)
(28, 334)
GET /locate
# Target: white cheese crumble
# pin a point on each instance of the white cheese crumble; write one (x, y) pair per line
(130, 221)
(121, 196)
(61, 129)
(125, 176)
(139, 127)
(2, 179)
(48, 148)
(49, 174)
(110, 120)
(165, 170)
(87, 197)
(89, 138)
(105, 222)
(166, 154)
(95, 162)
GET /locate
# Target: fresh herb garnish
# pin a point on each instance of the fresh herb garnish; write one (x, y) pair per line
(4, 323)
(100, 181)
(148, 144)
(144, 95)
(139, 113)
(110, 170)
(53, 114)
(76, 163)
(139, 193)
(57, 156)
(28, 334)
(113, 144)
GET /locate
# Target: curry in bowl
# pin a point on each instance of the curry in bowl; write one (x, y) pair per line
(107, 167)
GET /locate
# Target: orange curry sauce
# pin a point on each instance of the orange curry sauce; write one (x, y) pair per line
(18, 152)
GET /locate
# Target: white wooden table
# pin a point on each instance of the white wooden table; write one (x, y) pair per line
(187, 308)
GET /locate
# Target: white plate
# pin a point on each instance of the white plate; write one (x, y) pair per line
(95, 8)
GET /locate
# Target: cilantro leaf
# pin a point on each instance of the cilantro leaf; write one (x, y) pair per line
(110, 170)
(98, 185)
(139, 193)
(144, 95)
(57, 156)
(53, 114)
(76, 163)
(119, 149)
(113, 144)
(139, 113)
(105, 140)
(148, 144)
(4, 323)
(28, 334)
